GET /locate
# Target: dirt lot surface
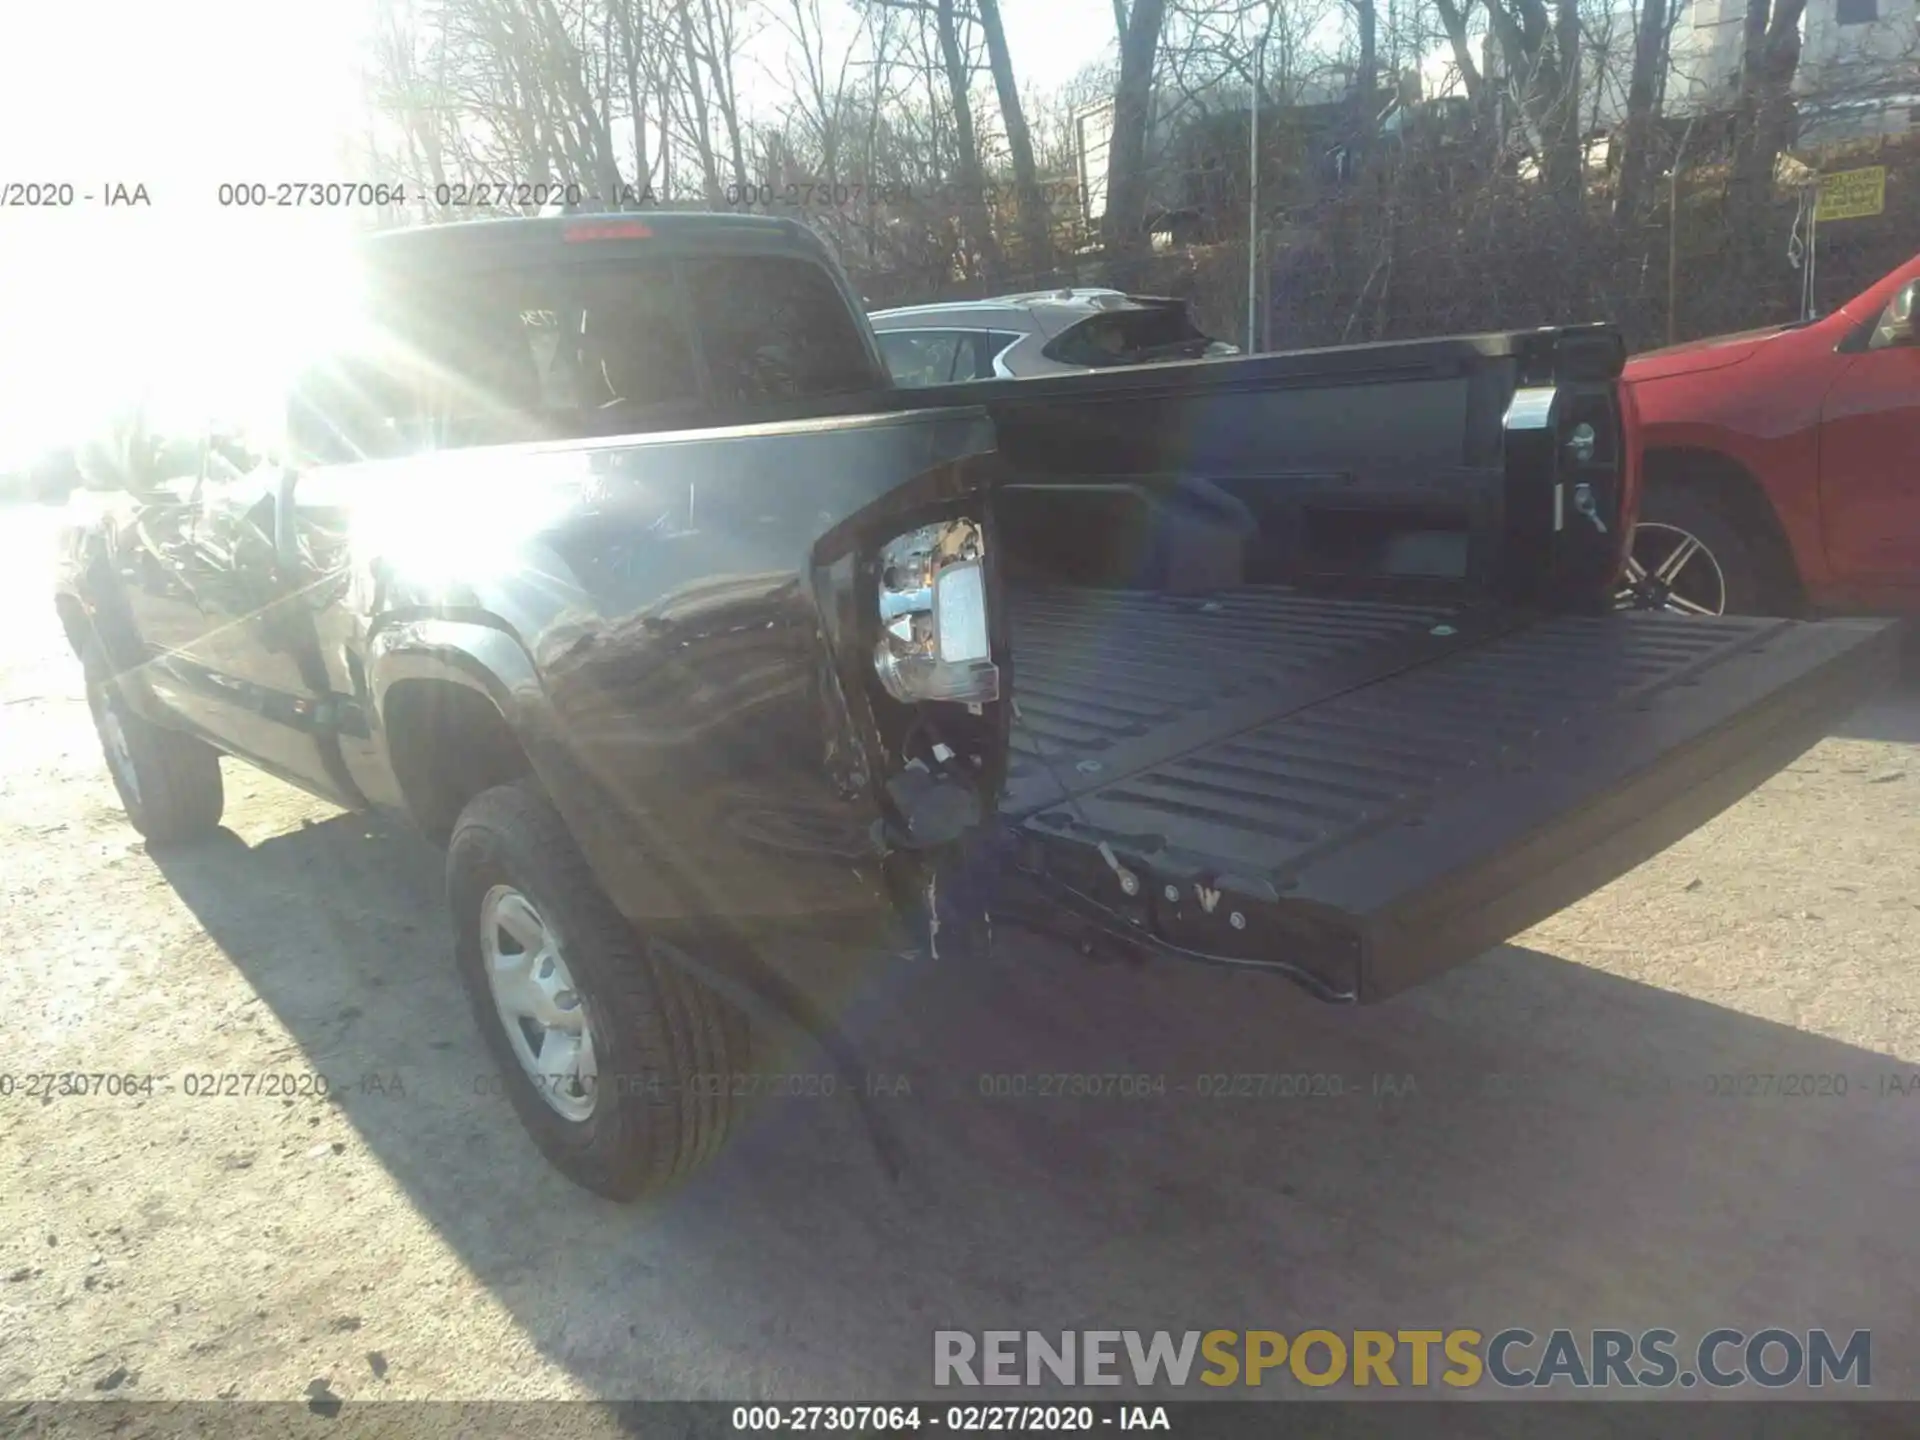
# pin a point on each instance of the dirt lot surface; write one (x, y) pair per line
(401, 1238)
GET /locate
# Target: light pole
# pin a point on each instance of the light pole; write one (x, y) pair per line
(1673, 227)
(1253, 198)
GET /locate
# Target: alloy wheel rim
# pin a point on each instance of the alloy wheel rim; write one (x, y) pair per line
(540, 1006)
(1670, 568)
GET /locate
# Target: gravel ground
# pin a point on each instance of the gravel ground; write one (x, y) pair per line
(402, 1239)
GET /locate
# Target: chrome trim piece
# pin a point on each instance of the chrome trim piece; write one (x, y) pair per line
(1531, 409)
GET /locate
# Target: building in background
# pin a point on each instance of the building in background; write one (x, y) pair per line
(1858, 76)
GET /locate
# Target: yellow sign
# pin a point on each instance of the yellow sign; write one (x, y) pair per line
(1851, 194)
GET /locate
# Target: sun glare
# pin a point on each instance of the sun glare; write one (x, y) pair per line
(168, 299)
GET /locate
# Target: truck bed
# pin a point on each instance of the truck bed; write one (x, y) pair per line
(1368, 791)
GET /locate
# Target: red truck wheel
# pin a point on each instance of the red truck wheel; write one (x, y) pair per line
(1690, 555)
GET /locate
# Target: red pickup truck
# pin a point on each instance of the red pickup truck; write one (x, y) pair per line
(1783, 465)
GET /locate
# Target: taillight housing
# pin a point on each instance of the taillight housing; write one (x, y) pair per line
(935, 633)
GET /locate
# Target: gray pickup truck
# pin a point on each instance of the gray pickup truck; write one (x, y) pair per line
(610, 556)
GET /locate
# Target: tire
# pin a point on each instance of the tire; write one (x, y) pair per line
(169, 782)
(1739, 564)
(664, 1047)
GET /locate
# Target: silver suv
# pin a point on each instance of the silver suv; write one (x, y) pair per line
(1044, 333)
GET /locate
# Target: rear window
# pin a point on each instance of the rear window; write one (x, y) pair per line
(775, 329)
(551, 351)
(1130, 337)
(525, 354)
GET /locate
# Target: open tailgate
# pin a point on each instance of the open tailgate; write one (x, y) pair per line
(1360, 793)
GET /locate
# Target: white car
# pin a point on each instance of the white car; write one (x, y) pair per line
(1044, 333)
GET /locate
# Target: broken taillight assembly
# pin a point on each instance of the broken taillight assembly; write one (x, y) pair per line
(935, 641)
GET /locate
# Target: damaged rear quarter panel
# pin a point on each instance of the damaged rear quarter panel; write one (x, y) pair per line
(682, 700)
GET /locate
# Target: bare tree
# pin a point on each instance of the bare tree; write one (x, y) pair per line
(631, 21)
(716, 31)
(820, 86)
(1132, 112)
(973, 180)
(1541, 51)
(1367, 73)
(1763, 109)
(407, 85)
(1035, 222)
(1652, 49)
(701, 129)
(1454, 18)
(1439, 235)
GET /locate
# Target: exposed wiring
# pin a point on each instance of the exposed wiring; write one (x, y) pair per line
(1114, 929)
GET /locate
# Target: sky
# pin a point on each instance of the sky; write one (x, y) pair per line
(176, 98)
(97, 299)
(1051, 40)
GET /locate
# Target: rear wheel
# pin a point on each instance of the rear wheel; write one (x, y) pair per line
(618, 1063)
(169, 783)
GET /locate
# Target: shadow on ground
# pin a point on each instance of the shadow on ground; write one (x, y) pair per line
(1525, 1142)
(1893, 715)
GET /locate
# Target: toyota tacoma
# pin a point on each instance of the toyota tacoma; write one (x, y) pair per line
(608, 553)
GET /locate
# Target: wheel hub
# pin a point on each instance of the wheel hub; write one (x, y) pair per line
(1672, 569)
(540, 1006)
